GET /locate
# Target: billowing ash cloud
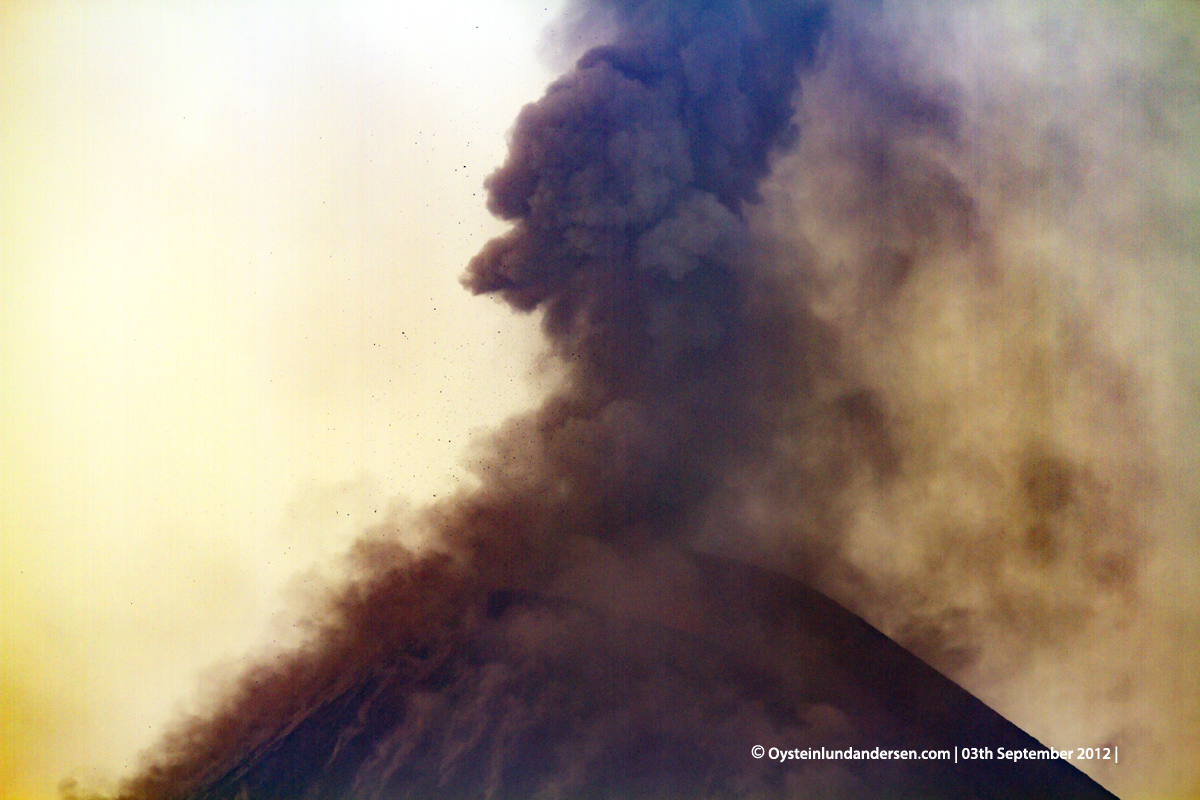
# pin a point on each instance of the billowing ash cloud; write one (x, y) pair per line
(842, 291)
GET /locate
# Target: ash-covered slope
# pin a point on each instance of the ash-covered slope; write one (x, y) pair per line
(535, 696)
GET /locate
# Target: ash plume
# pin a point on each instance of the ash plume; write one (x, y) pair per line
(830, 297)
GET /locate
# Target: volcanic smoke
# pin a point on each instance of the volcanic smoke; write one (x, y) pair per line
(857, 298)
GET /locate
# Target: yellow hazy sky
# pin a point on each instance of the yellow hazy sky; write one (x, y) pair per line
(232, 333)
(232, 329)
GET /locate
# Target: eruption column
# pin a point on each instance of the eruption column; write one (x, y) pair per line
(730, 384)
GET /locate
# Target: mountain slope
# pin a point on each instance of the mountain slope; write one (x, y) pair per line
(542, 696)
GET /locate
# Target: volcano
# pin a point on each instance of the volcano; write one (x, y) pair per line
(542, 696)
(739, 386)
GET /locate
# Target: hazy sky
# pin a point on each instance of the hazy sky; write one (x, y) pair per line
(231, 328)
(230, 241)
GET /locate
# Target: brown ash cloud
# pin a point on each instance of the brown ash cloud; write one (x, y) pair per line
(992, 199)
(862, 293)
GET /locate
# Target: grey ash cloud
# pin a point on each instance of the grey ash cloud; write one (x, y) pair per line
(783, 254)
